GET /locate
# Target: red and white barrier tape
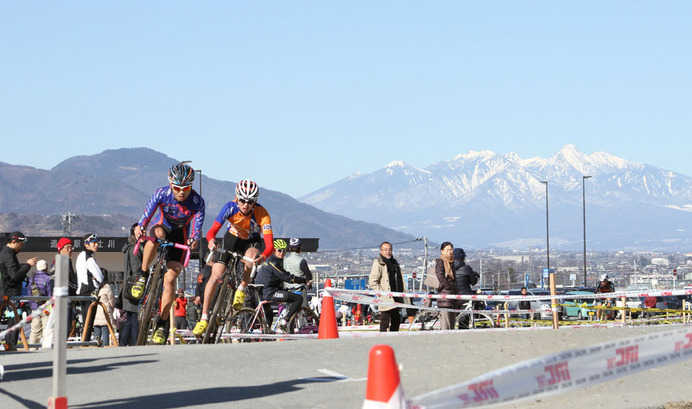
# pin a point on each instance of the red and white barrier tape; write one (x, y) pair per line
(563, 371)
(38, 311)
(499, 297)
(358, 298)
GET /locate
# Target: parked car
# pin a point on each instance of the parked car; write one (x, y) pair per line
(630, 302)
(543, 306)
(579, 307)
(673, 302)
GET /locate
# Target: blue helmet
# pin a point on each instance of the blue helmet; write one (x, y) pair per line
(181, 174)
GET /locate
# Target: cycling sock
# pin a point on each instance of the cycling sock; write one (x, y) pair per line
(205, 317)
(241, 288)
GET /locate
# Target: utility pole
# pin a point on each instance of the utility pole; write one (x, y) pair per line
(425, 261)
(67, 220)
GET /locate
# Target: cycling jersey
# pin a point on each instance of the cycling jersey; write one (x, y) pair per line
(188, 214)
(605, 287)
(245, 227)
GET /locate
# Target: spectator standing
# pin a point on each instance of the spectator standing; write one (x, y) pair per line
(41, 284)
(180, 310)
(65, 248)
(524, 305)
(385, 275)
(107, 298)
(12, 275)
(129, 328)
(465, 278)
(444, 271)
(194, 311)
(89, 275)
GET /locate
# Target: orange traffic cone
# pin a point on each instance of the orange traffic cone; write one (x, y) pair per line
(384, 387)
(327, 328)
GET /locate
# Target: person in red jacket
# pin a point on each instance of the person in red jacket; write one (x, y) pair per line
(180, 310)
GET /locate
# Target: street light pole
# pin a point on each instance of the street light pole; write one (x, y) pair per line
(583, 198)
(551, 275)
(547, 230)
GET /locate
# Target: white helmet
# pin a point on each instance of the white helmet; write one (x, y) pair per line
(247, 190)
(604, 277)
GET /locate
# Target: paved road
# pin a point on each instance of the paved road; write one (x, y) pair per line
(306, 373)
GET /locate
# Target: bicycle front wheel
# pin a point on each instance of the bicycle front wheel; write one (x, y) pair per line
(218, 309)
(147, 314)
(304, 320)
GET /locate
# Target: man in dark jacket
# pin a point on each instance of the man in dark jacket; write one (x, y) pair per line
(132, 264)
(12, 274)
(272, 275)
(465, 278)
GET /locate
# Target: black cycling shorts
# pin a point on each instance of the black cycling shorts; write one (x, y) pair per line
(238, 245)
(174, 236)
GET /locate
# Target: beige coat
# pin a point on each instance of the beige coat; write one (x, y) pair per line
(379, 281)
(108, 299)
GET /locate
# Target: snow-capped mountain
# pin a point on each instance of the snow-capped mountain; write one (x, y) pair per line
(481, 199)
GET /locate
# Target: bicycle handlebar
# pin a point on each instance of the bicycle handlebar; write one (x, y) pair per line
(183, 247)
(224, 251)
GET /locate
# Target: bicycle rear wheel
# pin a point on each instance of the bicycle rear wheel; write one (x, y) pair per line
(467, 320)
(304, 319)
(244, 321)
(148, 313)
(425, 321)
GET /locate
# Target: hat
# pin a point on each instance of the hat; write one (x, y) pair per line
(41, 265)
(294, 242)
(459, 254)
(90, 238)
(63, 242)
(16, 235)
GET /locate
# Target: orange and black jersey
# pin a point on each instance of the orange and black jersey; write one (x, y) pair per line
(245, 226)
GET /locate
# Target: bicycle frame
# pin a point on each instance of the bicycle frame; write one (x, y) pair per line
(154, 286)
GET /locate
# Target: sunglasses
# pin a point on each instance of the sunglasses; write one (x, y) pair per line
(280, 250)
(179, 188)
(243, 201)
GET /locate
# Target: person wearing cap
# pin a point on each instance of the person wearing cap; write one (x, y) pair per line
(12, 274)
(41, 284)
(604, 286)
(465, 278)
(271, 275)
(297, 265)
(89, 274)
(385, 275)
(65, 248)
(180, 305)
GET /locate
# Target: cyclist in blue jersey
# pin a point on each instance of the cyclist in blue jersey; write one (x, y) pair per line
(180, 215)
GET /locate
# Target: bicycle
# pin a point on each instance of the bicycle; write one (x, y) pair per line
(154, 287)
(222, 305)
(427, 320)
(253, 320)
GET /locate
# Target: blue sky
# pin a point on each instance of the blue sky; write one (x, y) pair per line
(298, 94)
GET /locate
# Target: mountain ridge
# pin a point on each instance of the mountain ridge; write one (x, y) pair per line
(117, 183)
(481, 191)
